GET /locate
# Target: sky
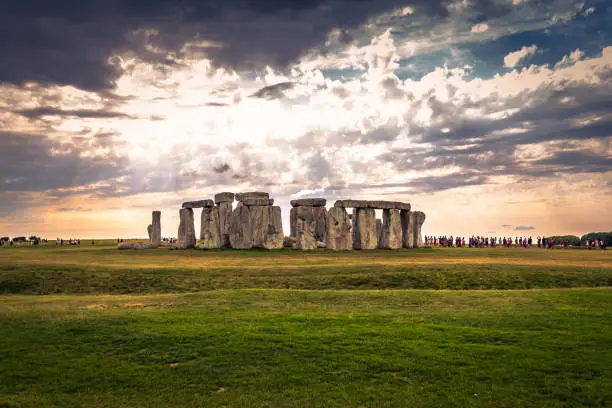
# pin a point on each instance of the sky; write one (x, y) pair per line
(494, 117)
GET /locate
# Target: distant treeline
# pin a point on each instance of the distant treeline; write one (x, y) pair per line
(576, 241)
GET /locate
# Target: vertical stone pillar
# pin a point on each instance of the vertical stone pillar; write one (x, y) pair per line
(379, 231)
(364, 228)
(339, 234)
(224, 203)
(320, 219)
(241, 228)
(210, 233)
(156, 229)
(293, 222)
(305, 229)
(273, 236)
(391, 235)
(419, 219)
(186, 230)
(407, 229)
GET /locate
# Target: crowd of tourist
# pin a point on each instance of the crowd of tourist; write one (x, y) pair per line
(505, 242)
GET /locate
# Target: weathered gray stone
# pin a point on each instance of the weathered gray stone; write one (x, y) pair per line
(309, 202)
(252, 194)
(321, 244)
(252, 202)
(305, 229)
(379, 230)
(273, 237)
(320, 217)
(156, 228)
(364, 229)
(224, 198)
(199, 204)
(225, 214)
(339, 235)
(150, 230)
(419, 219)
(260, 219)
(241, 228)
(186, 231)
(407, 229)
(377, 204)
(391, 235)
(290, 242)
(136, 245)
(210, 232)
(292, 221)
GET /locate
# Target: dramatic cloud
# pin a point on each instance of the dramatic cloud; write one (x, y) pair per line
(514, 58)
(479, 113)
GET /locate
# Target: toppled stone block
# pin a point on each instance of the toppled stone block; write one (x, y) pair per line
(136, 245)
(391, 234)
(321, 244)
(199, 204)
(210, 233)
(309, 202)
(364, 229)
(186, 231)
(252, 194)
(289, 242)
(339, 235)
(224, 198)
(254, 202)
(376, 204)
(241, 228)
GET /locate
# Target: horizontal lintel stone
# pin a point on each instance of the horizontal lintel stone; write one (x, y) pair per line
(224, 198)
(309, 202)
(376, 204)
(199, 204)
(257, 201)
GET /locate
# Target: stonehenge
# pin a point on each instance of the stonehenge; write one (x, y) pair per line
(255, 222)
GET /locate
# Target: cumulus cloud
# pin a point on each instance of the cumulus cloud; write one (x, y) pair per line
(480, 28)
(514, 58)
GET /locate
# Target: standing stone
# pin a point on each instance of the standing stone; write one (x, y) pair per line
(320, 218)
(210, 233)
(292, 222)
(305, 229)
(186, 231)
(364, 229)
(407, 229)
(241, 228)
(225, 214)
(379, 231)
(339, 235)
(150, 230)
(391, 235)
(273, 237)
(260, 220)
(419, 219)
(156, 229)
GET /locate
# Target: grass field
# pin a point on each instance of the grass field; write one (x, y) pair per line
(191, 328)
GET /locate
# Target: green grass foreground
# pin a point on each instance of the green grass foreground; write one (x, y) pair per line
(106, 270)
(192, 328)
(286, 348)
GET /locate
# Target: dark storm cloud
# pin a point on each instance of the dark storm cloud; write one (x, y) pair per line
(221, 168)
(38, 163)
(78, 113)
(71, 42)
